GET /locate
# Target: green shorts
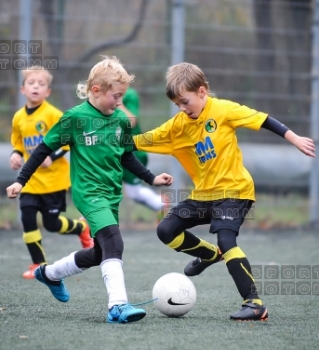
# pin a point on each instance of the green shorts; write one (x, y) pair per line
(99, 211)
(101, 218)
(130, 178)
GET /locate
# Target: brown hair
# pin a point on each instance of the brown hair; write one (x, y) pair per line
(184, 76)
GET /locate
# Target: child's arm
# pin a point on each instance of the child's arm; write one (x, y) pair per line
(131, 163)
(36, 159)
(304, 144)
(17, 145)
(53, 156)
(15, 160)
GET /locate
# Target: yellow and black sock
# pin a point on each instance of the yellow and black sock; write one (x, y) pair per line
(239, 268)
(33, 242)
(190, 244)
(70, 226)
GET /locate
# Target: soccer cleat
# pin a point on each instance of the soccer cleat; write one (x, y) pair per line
(57, 289)
(85, 238)
(197, 266)
(251, 312)
(124, 313)
(29, 274)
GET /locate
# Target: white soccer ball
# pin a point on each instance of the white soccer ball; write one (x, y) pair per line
(175, 294)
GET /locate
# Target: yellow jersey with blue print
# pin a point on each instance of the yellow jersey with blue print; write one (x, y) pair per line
(207, 148)
(27, 133)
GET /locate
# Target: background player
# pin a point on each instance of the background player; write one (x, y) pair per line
(132, 184)
(46, 191)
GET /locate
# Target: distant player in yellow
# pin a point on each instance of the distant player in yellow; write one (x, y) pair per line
(46, 191)
(202, 136)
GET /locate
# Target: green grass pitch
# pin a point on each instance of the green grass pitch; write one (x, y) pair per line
(30, 318)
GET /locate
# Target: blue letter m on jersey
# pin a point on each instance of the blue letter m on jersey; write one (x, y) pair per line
(32, 141)
(205, 150)
(203, 147)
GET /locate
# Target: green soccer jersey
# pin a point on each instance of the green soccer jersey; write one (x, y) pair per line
(97, 143)
(131, 101)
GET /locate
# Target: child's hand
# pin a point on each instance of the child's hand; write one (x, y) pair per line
(47, 162)
(304, 144)
(14, 190)
(163, 179)
(15, 161)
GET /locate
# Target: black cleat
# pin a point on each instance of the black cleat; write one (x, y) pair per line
(197, 266)
(251, 312)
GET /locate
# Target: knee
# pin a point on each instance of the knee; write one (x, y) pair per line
(226, 240)
(51, 224)
(166, 232)
(162, 232)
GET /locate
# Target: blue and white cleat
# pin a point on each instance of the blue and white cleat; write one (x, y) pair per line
(57, 289)
(124, 313)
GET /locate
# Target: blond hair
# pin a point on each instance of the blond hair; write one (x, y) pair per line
(184, 77)
(105, 74)
(26, 72)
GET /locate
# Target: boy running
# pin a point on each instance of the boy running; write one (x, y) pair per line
(99, 136)
(202, 136)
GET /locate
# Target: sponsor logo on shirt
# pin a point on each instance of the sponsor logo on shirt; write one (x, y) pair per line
(31, 142)
(210, 125)
(205, 150)
(88, 133)
(41, 127)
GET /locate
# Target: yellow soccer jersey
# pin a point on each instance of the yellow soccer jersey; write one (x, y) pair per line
(27, 132)
(207, 148)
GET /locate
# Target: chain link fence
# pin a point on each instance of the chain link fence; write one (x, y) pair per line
(255, 52)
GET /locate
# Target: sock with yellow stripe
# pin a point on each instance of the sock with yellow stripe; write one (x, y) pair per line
(190, 244)
(32, 240)
(69, 226)
(240, 270)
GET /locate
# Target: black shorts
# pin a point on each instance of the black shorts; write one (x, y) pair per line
(223, 213)
(54, 202)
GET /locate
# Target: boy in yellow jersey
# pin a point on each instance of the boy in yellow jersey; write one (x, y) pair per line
(202, 136)
(46, 191)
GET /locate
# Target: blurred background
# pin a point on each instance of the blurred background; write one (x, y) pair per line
(261, 53)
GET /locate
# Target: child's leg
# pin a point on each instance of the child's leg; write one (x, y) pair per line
(51, 205)
(144, 195)
(32, 238)
(172, 232)
(52, 275)
(240, 270)
(110, 240)
(238, 265)
(120, 311)
(58, 223)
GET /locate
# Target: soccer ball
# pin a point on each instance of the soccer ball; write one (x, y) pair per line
(175, 294)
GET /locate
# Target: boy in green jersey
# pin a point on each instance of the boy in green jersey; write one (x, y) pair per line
(99, 136)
